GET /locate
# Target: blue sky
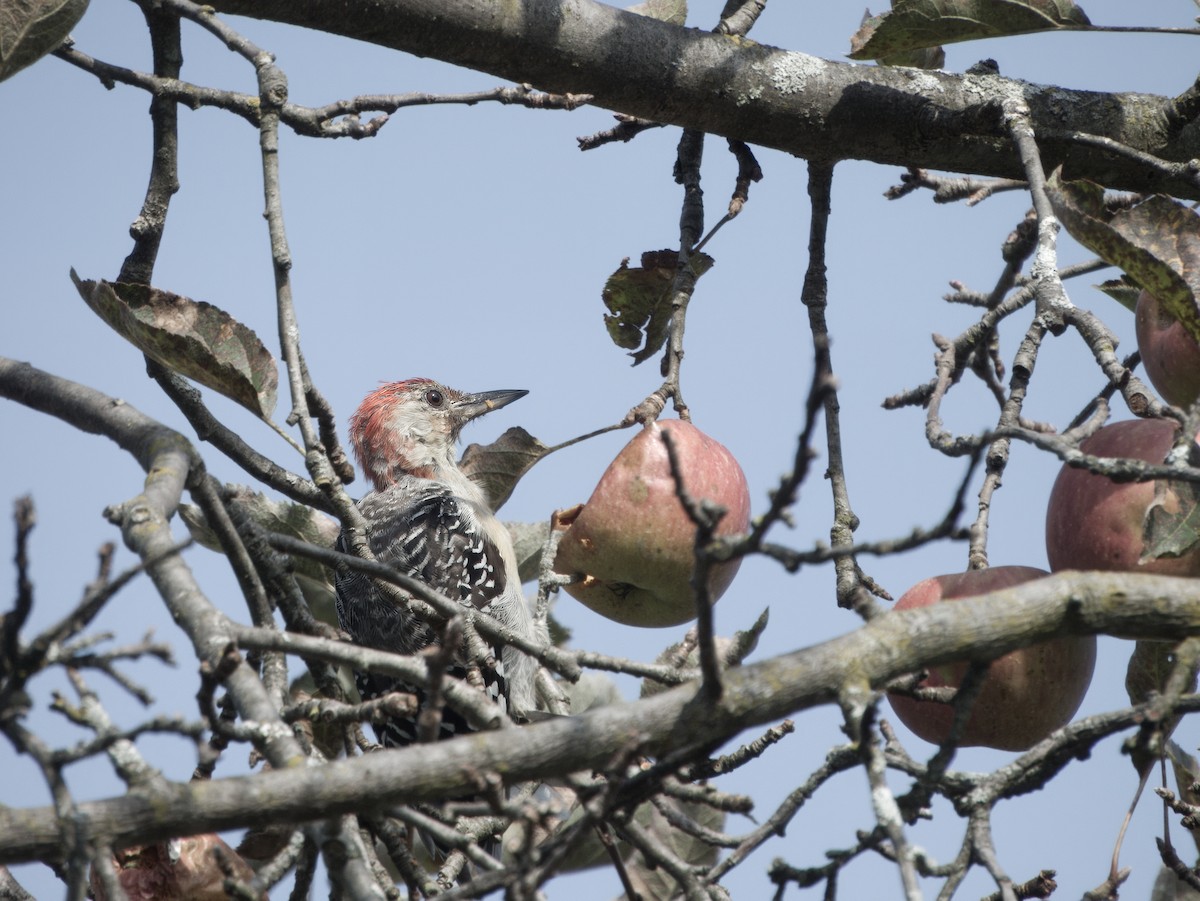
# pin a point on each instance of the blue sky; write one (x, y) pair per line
(470, 245)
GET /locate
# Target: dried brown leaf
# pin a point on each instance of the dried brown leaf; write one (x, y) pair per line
(191, 337)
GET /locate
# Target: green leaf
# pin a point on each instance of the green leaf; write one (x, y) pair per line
(924, 58)
(639, 299)
(191, 337)
(1156, 242)
(1146, 673)
(654, 883)
(672, 11)
(916, 24)
(1150, 666)
(1123, 290)
(529, 539)
(919, 58)
(30, 29)
(285, 518)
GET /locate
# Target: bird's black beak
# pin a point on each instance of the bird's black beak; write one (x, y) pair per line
(472, 406)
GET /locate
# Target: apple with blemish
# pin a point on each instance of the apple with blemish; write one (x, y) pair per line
(632, 545)
(1094, 523)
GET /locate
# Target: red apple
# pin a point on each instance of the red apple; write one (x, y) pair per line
(1095, 523)
(1170, 355)
(634, 544)
(1028, 693)
(180, 869)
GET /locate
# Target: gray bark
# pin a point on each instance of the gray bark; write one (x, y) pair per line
(790, 101)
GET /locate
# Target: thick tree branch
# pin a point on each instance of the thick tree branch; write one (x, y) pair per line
(171, 463)
(1130, 606)
(813, 108)
(90, 411)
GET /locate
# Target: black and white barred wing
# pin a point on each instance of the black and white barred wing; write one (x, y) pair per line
(438, 538)
(435, 537)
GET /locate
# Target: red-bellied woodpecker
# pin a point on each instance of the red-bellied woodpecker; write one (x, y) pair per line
(427, 519)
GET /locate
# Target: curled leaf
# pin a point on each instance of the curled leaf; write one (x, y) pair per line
(1172, 523)
(191, 337)
(1123, 290)
(639, 300)
(916, 24)
(497, 467)
(1156, 242)
(920, 58)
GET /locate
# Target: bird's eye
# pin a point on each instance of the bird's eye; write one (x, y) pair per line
(433, 397)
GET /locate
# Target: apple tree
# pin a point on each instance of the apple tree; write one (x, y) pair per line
(537, 194)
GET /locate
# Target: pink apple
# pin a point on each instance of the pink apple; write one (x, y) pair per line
(1094, 523)
(1027, 694)
(633, 544)
(1170, 355)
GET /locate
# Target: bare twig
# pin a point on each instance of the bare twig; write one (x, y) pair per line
(24, 519)
(147, 228)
